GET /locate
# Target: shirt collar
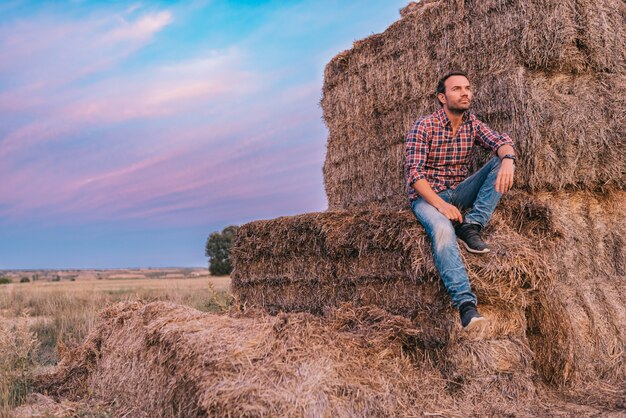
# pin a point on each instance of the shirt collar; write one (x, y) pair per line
(443, 118)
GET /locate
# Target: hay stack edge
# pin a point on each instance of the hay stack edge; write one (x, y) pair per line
(345, 313)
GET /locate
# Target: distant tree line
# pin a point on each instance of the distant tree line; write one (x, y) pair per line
(218, 246)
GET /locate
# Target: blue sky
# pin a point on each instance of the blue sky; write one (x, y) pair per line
(130, 131)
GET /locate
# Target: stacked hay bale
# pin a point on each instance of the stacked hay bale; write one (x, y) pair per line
(314, 262)
(164, 360)
(549, 73)
(553, 76)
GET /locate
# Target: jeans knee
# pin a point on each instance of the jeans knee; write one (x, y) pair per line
(443, 234)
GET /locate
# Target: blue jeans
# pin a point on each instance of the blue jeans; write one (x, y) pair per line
(476, 193)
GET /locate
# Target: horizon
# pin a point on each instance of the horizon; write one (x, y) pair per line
(129, 133)
(109, 269)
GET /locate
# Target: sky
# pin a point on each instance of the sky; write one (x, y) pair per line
(131, 131)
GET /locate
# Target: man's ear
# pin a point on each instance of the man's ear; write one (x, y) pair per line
(442, 98)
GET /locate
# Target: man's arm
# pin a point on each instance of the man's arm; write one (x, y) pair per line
(504, 181)
(449, 211)
(417, 148)
(501, 145)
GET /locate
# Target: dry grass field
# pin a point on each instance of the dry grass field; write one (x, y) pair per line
(39, 318)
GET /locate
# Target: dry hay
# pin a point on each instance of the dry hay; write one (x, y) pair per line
(551, 74)
(162, 359)
(41, 406)
(587, 298)
(165, 360)
(311, 261)
(554, 282)
(38, 405)
(553, 337)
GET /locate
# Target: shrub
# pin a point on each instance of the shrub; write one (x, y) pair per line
(218, 250)
(5, 280)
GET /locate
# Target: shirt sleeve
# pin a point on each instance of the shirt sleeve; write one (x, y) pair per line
(417, 147)
(490, 139)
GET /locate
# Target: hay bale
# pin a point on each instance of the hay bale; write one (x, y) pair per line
(312, 261)
(539, 285)
(576, 327)
(160, 360)
(559, 93)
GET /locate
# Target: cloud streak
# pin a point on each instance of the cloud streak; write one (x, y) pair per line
(52, 51)
(202, 165)
(142, 29)
(155, 93)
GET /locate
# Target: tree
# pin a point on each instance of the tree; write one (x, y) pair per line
(218, 250)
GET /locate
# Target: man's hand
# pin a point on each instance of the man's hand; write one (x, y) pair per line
(504, 181)
(450, 211)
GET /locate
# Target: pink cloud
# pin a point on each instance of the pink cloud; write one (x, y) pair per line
(192, 137)
(185, 176)
(194, 170)
(49, 52)
(159, 92)
(142, 29)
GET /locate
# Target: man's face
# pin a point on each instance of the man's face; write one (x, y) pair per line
(458, 96)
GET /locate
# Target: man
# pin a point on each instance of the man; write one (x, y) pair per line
(437, 159)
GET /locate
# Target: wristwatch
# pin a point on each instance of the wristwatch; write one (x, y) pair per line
(510, 156)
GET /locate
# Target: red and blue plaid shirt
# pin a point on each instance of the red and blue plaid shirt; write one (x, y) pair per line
(433, 154)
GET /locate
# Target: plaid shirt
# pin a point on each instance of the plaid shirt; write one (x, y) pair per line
(433, 154)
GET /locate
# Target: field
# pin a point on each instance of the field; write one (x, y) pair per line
(40, 317)
(113, 274)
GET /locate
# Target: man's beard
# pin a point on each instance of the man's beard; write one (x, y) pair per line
(459, 110)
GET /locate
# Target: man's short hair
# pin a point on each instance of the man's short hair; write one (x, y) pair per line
(441, 84)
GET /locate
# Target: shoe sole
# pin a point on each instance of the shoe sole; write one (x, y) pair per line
(477, 324)
(471, 250)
